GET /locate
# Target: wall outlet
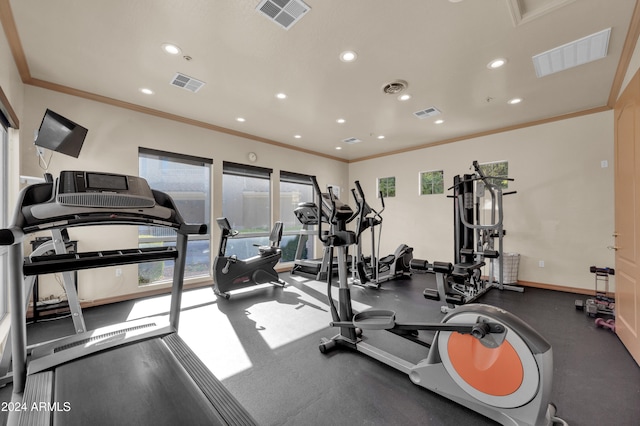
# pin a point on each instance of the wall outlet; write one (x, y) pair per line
(541, 263)
(118, 272)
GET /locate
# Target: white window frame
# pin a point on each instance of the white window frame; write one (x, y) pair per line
(385, 193)
(420, 189)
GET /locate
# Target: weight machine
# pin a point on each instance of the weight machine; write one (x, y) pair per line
(474, 241)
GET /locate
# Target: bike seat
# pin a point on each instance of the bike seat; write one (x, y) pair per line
(267, 250)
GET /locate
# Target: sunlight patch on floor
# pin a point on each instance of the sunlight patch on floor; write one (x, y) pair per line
(293, 316)
(161, 304)
(210, 334)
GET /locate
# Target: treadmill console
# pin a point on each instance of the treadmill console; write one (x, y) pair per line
(93, 189)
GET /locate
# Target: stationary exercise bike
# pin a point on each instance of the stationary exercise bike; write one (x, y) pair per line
(231, 273)
(373, 270)
(481, 357)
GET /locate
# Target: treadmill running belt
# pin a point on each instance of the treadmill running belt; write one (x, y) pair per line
(138, 384)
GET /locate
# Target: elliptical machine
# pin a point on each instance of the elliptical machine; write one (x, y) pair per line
(373, 270)
(480, 357)
(474, 242)
(315, 268)
(231, 273)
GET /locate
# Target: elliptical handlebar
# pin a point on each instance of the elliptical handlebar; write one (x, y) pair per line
(316, 187)
(362, 199)
(337, 211)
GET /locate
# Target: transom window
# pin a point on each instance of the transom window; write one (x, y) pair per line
(432, 182)
(387, 186)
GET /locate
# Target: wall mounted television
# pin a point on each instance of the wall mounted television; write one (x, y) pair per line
(60, 134)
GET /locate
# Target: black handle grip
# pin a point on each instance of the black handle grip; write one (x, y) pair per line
(7, 237)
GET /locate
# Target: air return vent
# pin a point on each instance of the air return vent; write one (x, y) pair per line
(579, 52)
(186, 82)
(351, 141)
(285, 13)
(428, 112)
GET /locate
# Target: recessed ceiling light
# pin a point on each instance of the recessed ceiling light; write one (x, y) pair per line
(514, 101)
(496, 63)
(240, 119)
(171, 49)
(338, 148)
(146, 91)
(381, 137)
(348, 56)
(404, 97)
(281, 96)
(340, 120)
(297, 136)
(439, 121)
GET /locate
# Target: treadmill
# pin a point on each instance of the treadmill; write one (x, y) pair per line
(139, 372)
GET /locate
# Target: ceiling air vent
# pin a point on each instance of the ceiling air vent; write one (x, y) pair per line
(429, 112)
(394, 87)
(186, 82)
(351, 141)
(283, 12)
(579, 52)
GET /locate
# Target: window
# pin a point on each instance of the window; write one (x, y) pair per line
(387, 186)
(246, 203)
(294, 189)
(4, 213)
(498, 169)
(432, 182)
(187, 180)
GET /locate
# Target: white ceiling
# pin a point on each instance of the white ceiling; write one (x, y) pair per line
(440, 47)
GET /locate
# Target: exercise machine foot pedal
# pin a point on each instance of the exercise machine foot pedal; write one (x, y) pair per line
(375, 319)
(456, 299)
(431, 293)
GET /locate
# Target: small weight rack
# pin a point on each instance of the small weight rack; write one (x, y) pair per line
(601, 304)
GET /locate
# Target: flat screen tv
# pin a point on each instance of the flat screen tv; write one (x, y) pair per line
(60, 134)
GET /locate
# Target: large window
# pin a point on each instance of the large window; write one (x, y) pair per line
(187, 180)
(4, 213)
(246, 203)
(295, 189)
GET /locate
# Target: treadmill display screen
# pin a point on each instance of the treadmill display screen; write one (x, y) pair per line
(105, 181)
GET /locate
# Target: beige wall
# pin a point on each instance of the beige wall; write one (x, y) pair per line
(112, 145)
(562, 213)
